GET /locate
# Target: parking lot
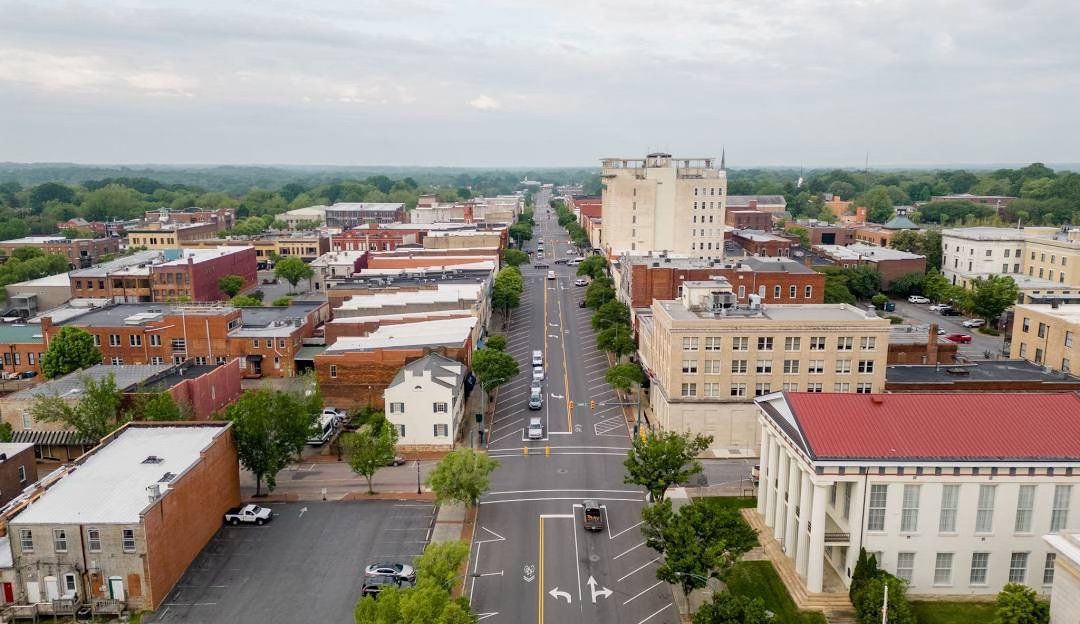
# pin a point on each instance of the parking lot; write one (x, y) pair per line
(304, 566)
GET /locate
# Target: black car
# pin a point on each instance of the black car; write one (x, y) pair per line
(540, 265)
(374, 584)
(560, 261)
(950, 312)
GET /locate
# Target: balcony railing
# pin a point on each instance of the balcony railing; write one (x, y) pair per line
(834, 538)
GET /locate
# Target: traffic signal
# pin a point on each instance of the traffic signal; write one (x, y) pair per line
(592, 404)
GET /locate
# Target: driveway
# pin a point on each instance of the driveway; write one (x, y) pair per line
(917, 314)
(304, 566)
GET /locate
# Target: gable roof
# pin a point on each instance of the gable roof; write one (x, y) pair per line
(900, 223)
(444, 371)
(930, 426)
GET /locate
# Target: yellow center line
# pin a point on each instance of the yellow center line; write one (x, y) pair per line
(566, 375)
(540, 587)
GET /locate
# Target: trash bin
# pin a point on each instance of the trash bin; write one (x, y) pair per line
(84, 614)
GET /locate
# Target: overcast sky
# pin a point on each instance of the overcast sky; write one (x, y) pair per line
(552, 82)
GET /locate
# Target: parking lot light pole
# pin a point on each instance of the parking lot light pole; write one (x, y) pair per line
(484, 392)
(418, 476)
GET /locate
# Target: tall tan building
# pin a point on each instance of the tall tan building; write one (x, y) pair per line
(661, 203)
(708, 356)
(1047, 334)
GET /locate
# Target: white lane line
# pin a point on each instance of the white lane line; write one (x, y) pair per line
(505, 425)
(483, 616)
(522, 430)
(628, 550)
(503, 455)
(637, 569)
(560, 498)
(633, 526)
(657, 613)
(639, 594)
(564, 490)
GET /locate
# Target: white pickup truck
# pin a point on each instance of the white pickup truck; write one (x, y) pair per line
(249, 514)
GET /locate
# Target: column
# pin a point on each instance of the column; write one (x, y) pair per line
(793, 493)
(855, 521)
(806, 492)
(815, 570)
(763, 461)
(781, 494)
(768, 479)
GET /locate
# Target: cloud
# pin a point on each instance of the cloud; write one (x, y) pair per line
(485, 103)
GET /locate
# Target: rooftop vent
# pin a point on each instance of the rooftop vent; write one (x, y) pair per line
(957, 371)
(167, 477)
(153, 491)
(877, 399)
(153, 459)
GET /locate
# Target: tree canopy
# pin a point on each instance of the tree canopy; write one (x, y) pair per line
(462, 476)
(371, 448)
(231, 284)
(515, 257)
(593, 266)
(493, 368)
(95, 415)
(662, 459)
(293, 269)
(71, 349)
(624, 376)
(992, 295)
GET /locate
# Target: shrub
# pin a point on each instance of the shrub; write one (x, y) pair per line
(895, 320)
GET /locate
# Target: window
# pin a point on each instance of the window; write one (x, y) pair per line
(114, 340)
(1027, 324)
(809, 292)
(712, 389)
(689, 343)
(868, 343)
(791, 367)
(1007, 252)
(1025, 501)
(979, 563)
(712, 367)
(116, 361)
(866, 366)
(1023, 349)
(400, 430)
(815, 367)
(439, 407)
(59, 540)
(875, 519)
(157, 359)
(281, 343)
(1068, 339)
(689, 389)
(950, 495)
(764, 366)
(761, 389)
(843, 367)
(817, 343)
(791, 387)
(22, 474)
(793, 291)
(128, 539)
(792, 343)
(943, 569)
(1048, 567)
(689, 366)
(712, 343)
(905, 565)
(984, 513)
(441, 430)
(909, 515)
(740, 343)
(738, 390)
(26, 540)
(135, 340)
(27, 421)
(813, 387)
(269, 343)
(989, 252)
(178, 344)
(841, 387)
(1042, 330)
(93, 540)
(1018, 567)
(738, 367)
(844, 343)
(333, 371)
(776, 292)
(864, 388)
(155, 340)
(764, 343)
(397, 408)
(1059, 515)
(30, 358)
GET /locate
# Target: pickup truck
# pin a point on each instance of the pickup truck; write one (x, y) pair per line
(248, 514)
(593, 516)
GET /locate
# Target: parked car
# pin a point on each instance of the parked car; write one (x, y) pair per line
(917, 299)
(538, 373)
(575, 261)
(580, 282)
(536, 428)
(248, 514)
(950, 311)
(592, 516)
(537, 357)
(374, 584)
(540, 265)
(339, 414)
(396, 460)
(570, 252)
(559, 261)
(973, 323)
(537, 386)
(536, 400)
(938, 307)
(402, 571)
(28, 374)
(960, 338)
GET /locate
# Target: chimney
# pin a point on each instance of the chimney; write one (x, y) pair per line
(932, 345)
(808, 260)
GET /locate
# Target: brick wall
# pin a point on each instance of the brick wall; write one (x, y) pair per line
(343, 328)
(358, 378)
(663, 282)
(20, 357)
(205, 275)
(10, 484)
(751, 219)
(771, 248)
(913, 353)
(211, 392)
(892, 270)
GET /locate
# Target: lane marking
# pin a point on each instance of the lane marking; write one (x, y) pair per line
(507, 436)
(628, 551)
(508, 455)
(540, 585)
(560, 498)
(637, 569)
(563, 490)
(657, 613)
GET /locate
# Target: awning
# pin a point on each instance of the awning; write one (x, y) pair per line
(50, 438)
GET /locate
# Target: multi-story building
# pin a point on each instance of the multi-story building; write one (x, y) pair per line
(891, 263)
(224, 218)
(1047, 334)
(379, 237)
(977, 376)
(18, 469)
(1055, 257)
(882, 235)
(1065, 587)
(822, 233)
(122, 524)
(21, 345)
(967, 253)
(663, 203)
(80, 252)
(707, 357)
(165, 275)
(28, 298)
(169, 235)
(1041, 260)
(335, 265)
(304, 245)
(951, 492)
(351, 214)
(748, 219)
(758, 243)
(771, 204)
(426, 402)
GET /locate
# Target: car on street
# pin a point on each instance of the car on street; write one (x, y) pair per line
(581, 304)
(402, 571)
(559, 261)
(536, 400)
(960, 338)
(973, 323)
(374, 584)
(538, 373)
(540, 242)
(950, 311)
(536, 428)
(396, 460)
(592, 516)
(551, 275)
(580, 282)
(575, 261)
(540, 265)
(938, 307)
(570, 252)
(248, 514)
(917, 299)
(537, 357)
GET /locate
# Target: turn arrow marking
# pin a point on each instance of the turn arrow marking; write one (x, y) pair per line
(556, 594)
(604, 591)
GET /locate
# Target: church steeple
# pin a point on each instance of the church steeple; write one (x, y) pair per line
(723, 155)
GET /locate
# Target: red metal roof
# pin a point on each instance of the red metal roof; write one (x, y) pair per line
(937, 425)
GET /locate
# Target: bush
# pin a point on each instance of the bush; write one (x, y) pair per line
(1019, 604)
(879, 300)
(989, 331)
(894, 319)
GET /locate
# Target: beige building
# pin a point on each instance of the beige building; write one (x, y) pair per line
(1046, 334)
(663, 203)
(1044, 261)
(708, 356)
(1056, 258)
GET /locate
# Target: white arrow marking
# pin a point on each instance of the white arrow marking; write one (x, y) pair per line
(605, 592)
(302, 510)
(557, 396)
(553, 335)
(553, 324)
(556, 594)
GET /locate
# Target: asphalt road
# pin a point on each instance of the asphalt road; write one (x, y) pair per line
(535, 559)
(918, 314)
(307, 565)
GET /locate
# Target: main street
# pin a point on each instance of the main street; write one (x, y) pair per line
(534, 560)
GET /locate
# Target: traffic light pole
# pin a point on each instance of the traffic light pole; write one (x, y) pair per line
(637, 424)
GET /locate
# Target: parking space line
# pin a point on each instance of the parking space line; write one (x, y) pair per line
(640, 593)
(522, 430)
(628, 550)
(638, 569)
(656, 613)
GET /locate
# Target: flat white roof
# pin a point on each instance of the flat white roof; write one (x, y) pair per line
(398, 316)
(204, 254)
(866, 252)
(111, 485)
(60, 279)
(444, 293)
(448, 264)
(338, 257)
(985, 233)
(36, 240)
(1069, 313)
(449, 331)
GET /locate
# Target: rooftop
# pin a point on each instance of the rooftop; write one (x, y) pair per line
(869, 253)
(399, 278)
(913, 334)
(809, 312)
(900, 223)
(203, 254)
(743, 201)
(442, 293)
(450, 332)
(1066, 313)
(985, 233)
(176, 376)
(365, 206)
(110, 485)
(10, 449)
(37, 240)
(991, 427)
(274, 320)
(120, 314)
(759, 237)
(750, 263)
(20, 333)
(49, 281)
(443, 371)
(988, 371)
(1027, 282)
(338, 257)
(125, 375)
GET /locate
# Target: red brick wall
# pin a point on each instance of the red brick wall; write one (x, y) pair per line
(751, 219)
(10, 485)
(24, 351)
(341, 329)
(771, 248)
(913, 353)
(663, 283)
(205, 275)
(211, 392)
(892, 270)
(361, 376)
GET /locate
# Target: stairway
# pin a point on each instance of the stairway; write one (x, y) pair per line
(836, 606)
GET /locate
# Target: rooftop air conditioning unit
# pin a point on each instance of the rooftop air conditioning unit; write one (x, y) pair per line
(153, 491)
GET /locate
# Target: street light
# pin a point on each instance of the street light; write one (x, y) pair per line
(637, 423)
(418, 476)
(484, 392)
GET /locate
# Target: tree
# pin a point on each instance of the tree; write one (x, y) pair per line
(664, 458)
(836, 290)
(71, 349)
(371, 448)
(231, 285)
(727, 608)
(493, 368)
(906, 285)
(612, 312)
(935, 286)
(95, 415)
(616, 339)
(866, 568)
(593, 266)
(801, 233)
(6, 431)
(463, 476)
(515, 257)
(507, 288)
(907, 240)
(426, 602)
(440, 562)
(496, 341)
(992, 295)
(50, 191)
(521, 232)
(931, 248)
(245, 301)
(282, 302)
(599, 292)
(270, 428)
(870, 598)
(879, 204)
(624, 376)
(158, 406)
(292, 270)
(863, 281)
(1019, 604)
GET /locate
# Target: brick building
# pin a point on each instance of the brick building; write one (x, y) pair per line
(891, 263)
(758, 243)
(352, 214)
(165, 275)
(224, 218)
(122, 524)
(21, 346)
(376, 237)
(748, 219)
(821, 233)
(156, 235)
(80, 252)
(773, 204)
(18, 469)
(777, 280)
(910, 344)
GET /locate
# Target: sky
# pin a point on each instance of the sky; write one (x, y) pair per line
(547, 83)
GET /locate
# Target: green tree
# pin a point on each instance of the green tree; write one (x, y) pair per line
(282, 302)
(593, 266)
(426, 602)
(992, 295)
(95, 415)
(463, 476)
(879, 204)
(870, 598)
(907, 240)
(6, 432)
(507, 289)
(663, 459)
(270, 428)
(801, 232)
(931, 248)
(496, 341)
(71, 349)
(493, 368)
(521, 232)
(245, 301)
(231, 285)
(440, 563)
(906, 285)
(50, 191)
(112, 200)
(836, 288)
(371, 448)
(863, 281)
(599, 292)
(158, 406)
(727, 608)
(935, 286)
(612, 312)
(1019, 604)
(617, 339)
(624, 376)
(292, 270)
(515, 257)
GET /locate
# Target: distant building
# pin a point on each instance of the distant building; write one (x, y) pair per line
(18, 469)
(1047, 335)
(836, 206)
(304, 245)
(80, 252)
(351, 214)
(978, 376)
(773, 204)
(758, 243)
(748, 219)
(29, 298)
(223, 218)
(22, 346)
(1042, 261)
(166, 275)
(426, 403)
(882, 235)
(891, 263)
(998, 202)
(169, 234)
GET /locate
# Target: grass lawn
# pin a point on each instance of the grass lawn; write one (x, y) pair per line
(758, 579)
(932, 612)
(734, 502)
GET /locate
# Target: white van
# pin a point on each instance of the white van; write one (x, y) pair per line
(325, 428)
(537, 358)
(536, 428)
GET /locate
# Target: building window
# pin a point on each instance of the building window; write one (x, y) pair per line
(791, 387)
(815, 367)
(712, 343)
(776, 292)
(155, 340)
(764, 343)
(740, 343)
(441, 430)
(793, 291)
(943, 569)
(738, 390)
(1023, 349)
(1025, 502)
(157, 360)
(875, 519)
(712, 367)
(400, 430)
(128, 539)
(30, 358)
(97, 340)
(814, 387)
(1026, 324)
(764, 366)
(689, 366)
(792, 343)
(950, 496)
(844, 343)
(117, 361)
(1018, 567)
(909, 515)
(333, 371)
(1059, 515)
(179, 345)
(59, 540)
(868, 343)
(984, 513)
(93, 540)
(817, 343)
(738, 367)
(689, 389)
(791, 367)
(690, 343)
(809, 292)
(979, 563)
(135, 340)
(1068, 339)
(866, 366)
(712, 389)
(114, 340)
(864, 388)
(397, 408)
(439, 407)
(761, 389)
(843, 367)
(26, 540)
(905, 565)
(841, 387)
(1048, 567)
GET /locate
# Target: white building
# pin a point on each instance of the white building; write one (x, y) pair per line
(967, 253)
(426, 402)
(334, 265)
(1065, 592)
(952, 492)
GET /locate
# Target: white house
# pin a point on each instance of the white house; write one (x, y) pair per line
(1065, 594)
(426, 402)
(952, 492)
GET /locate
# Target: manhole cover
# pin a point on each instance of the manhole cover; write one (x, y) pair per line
(594, 558)
(561, 470)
